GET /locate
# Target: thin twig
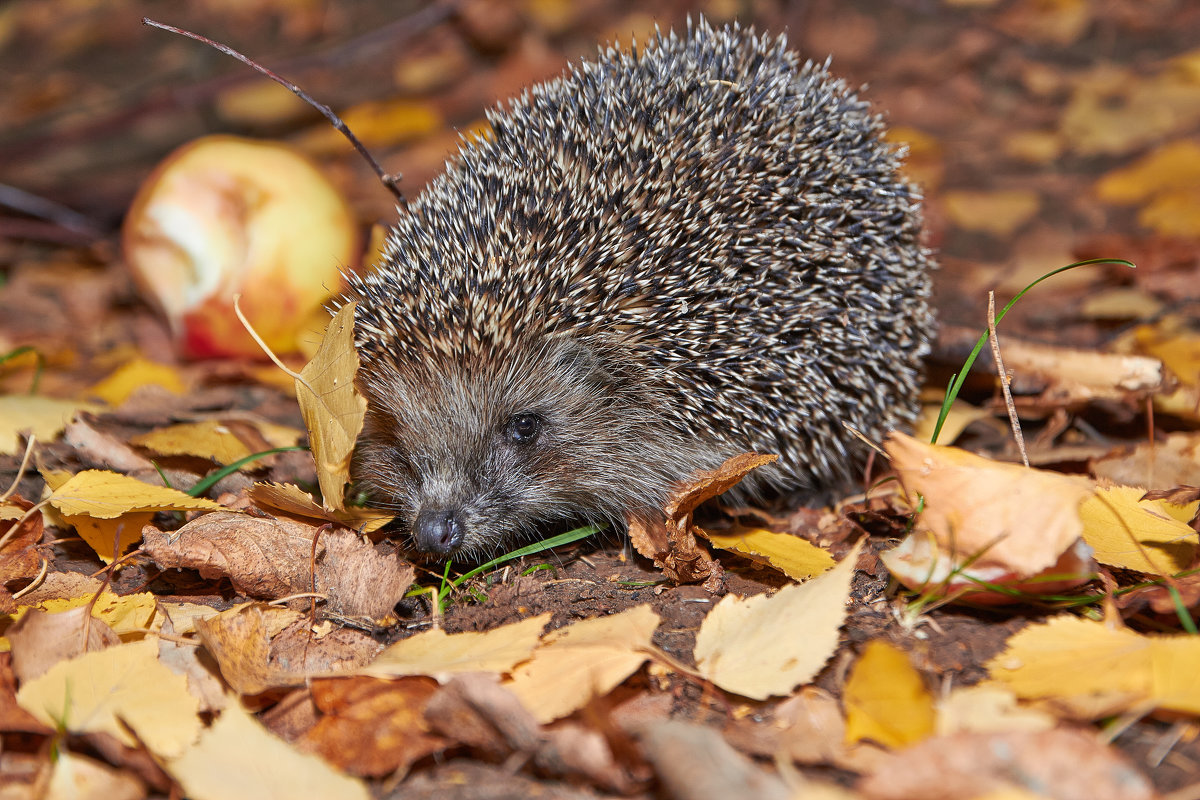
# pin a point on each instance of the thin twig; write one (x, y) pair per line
(1008, 400)
(12, 489)
(392, 182)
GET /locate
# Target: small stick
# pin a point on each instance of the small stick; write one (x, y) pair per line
(392, 182)
(1008, 401)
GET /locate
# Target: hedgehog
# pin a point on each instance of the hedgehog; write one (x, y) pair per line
(663, 258)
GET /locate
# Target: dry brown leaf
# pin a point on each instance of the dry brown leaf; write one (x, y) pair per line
(370, 726)
(240, 641)
(39, 640)
(295, 501)
(333, 409)
(1172, 462)
(272, 558)
(19, 557)
(763, 646)
(585, 660)
(474, 709)
(814, 732)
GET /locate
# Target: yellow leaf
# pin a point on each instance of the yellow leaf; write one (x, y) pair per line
(1171, 166)
(44, 417)
(999, 213)
(238, 759)
(1172, 340)
(208, 439)
(333, 409)
(886, 699)
(1086, 664)
(381, 123)
(961, 415)
(107, 495)
(763, 646)
(110, 538)
(1145, 535)
(113, 690)
(791, 555)
(1176, 681)
(582, 661)
(440, 654)
(117, 387)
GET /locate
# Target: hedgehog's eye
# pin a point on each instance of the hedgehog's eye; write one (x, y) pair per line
(524, 428)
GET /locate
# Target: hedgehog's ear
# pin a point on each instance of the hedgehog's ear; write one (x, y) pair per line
(582, 361)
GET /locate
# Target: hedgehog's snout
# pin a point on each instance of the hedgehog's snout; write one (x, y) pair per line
(439, 530)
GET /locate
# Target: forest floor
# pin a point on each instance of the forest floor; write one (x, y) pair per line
(1042, 133)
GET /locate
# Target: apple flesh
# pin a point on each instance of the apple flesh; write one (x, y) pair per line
(223, 216)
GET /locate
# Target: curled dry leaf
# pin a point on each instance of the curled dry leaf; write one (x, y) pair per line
(271, 558)
(1076, 378)
(39, 640)
(672, 545)
(296, 502)
(986, 521)
(19, 557)
(333, 409)
(240, 641)
(1172, 462)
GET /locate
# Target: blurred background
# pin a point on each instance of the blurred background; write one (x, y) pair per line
(1041, 130)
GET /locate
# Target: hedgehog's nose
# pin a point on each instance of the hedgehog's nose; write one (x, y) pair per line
(438, 530)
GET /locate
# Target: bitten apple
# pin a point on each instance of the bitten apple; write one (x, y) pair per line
(223, 216)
